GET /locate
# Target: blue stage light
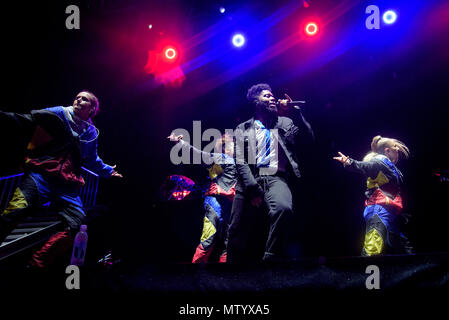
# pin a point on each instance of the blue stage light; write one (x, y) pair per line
(238, 40)
(389, 17)
(222, 9)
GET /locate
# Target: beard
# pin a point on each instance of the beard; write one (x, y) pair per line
(267, 109)
(272, 109)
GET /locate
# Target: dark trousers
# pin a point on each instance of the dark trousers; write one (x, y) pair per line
(275, 215)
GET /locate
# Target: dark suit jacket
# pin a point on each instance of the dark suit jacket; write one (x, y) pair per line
(289, 134)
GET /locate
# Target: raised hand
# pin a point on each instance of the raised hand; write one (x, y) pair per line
(283, 103)
(115, 173)
(174, 138)
(342, 158)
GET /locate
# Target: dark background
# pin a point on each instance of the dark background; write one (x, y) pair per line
(358, 83)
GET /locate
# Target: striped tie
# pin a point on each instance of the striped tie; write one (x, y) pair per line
(266, 144)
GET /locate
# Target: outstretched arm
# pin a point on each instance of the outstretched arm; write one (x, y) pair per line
(23, 121)
(368, 168)
(96, 164)
(209, 157)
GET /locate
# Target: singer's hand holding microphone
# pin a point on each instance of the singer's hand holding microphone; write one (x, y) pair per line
(284, 104)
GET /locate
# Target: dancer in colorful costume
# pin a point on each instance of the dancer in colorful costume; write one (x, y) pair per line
(384, 204)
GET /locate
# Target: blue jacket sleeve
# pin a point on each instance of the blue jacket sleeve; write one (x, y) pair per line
(93, 162)
(91, 159)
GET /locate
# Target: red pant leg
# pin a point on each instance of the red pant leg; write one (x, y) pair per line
(58, 246)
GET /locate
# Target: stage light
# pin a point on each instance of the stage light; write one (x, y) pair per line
(238, 40)
(170, 53)
(150, 26)
(389, 17)
(311, 29)
(176, 187)
(222, 10)
(179, 195)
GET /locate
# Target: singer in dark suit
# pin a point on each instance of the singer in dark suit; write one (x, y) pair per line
(266, 159)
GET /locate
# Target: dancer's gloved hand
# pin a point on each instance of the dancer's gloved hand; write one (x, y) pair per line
(174, 138)
(115, 173)
(342, 158)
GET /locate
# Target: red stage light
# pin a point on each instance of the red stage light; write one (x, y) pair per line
(164, 64)
(311, 29)
(170, 53)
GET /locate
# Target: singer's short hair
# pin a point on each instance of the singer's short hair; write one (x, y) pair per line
(255, 91)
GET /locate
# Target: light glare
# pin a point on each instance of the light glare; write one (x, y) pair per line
(238, 40)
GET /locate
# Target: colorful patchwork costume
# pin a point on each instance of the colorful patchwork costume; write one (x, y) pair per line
(58, 148)
(383, 207)
(217, 203)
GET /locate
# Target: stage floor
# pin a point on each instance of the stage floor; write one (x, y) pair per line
(395, 272)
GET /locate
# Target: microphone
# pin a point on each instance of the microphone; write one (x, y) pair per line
(295, 104)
